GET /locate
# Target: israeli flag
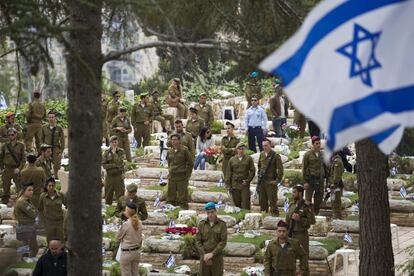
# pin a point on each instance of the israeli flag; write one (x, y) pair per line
(157, 200)
(171, 224)
(403, 192)
(348, 238)
(161, 181)
(349, 69)
(170, 261)
(286, 205)
(221, 182)
(3, 103)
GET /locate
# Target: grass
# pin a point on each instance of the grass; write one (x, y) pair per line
(238, 216)
(173, 214)
(218, 189)
(331, 244)
(110, 211)
(293, 154)
(294, 176)
(257, 241)
(23, 265)
(352, 217)
(353, 197)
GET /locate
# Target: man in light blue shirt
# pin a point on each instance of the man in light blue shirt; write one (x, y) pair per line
(256, 124)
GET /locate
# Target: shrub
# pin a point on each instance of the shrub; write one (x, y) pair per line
(216, 127)
(188, 248)
(295, 177)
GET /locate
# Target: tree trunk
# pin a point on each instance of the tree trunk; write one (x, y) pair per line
(376, 255)
(84, 66)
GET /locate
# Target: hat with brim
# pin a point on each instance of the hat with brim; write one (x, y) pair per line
(228, 123)
(132, 188)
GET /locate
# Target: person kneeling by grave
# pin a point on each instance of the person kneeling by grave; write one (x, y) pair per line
(131, 197)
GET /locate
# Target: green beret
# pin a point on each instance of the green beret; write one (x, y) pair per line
(132, 188)
(210, 206)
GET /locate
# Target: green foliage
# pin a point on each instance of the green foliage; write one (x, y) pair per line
(238, 216)
(110, 211)
(354, 197)
(114, 242)
(248, 151)
(331, 244)
(403, 164)
(293, 154)
(406, 146)
(352, 217)
(257, 241)
(258, 257)
(22, 265)
(188, 249)
(173, 214)
(218, 189)
(295, 177)
(407, 267)
(216, 127)
(131, 166)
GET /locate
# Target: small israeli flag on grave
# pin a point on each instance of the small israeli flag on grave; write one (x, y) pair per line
(403, 192)
(157, 200)
(161, 181)
(286, 205)
(221, 182)
(348, 238)
(170, 261)
(220, 202)
(134, 143)
(171, 224)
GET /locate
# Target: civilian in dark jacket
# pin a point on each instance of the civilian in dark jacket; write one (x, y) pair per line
(279, 106)
(53, 262)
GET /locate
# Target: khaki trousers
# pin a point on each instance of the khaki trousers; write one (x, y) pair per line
(114, 184)
(34, 130)
(129, 263)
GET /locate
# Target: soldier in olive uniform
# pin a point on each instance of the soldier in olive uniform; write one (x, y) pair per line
(174, 98)
(314, 173)
(281, 255)
(35, 175)
(34, 116)
(185, 137)
(113, 163)
(228, 146)
(158, 113)
(336, 169)
(25, 213)
(104, 109)
(211, 239)
(112, 109)
(120, 127)
(132, 197)
(205, 111)
(141, 120)
(194, 124)
(270, 174)
(45, 160)
(53, 135)
(12, 160)
(10, 123)
(253, 87)
(240, 172)
(51, 208)
(180, 166)
(299, 218)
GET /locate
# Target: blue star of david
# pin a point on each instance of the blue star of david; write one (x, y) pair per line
(350, 50)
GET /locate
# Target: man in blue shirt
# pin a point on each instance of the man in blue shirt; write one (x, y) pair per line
(256, 124)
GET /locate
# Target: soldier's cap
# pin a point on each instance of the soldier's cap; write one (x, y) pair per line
(112, 138)
(116, 93)
(11, 130)
(315, 138)
(193, 109)
(282, 223)
(131, 206)
(123, 109)
(299, 188)
(240, 145)
(132, 188)
(254, 97)
(45, 146)
(203, 94)
(228, 123)
(176, 79)
(254, 74)
(155, 92)
(9, 114)
(209, 206)
(143, 95)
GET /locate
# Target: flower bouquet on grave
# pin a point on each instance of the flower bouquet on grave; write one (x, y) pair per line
(213, 155)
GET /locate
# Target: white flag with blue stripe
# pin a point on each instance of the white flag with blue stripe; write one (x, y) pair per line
(171, 224)
(157, 200)
(403, 192)
(170, 261)
(348, 238)
(349, 69)
(286, 205)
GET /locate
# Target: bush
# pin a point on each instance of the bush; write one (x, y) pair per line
(238, 216)
(258, 241)
(295, 177)
(216, 127)
(188, 248)
(331, 244)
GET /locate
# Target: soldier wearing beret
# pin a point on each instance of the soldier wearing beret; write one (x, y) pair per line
(211, 239)
(12, 160)
(205, 111)
(35, 114)
(120, 127)
(113, 162)
(194, 124)
(282, 253)
(141, 120)
(112, 109)
(228, 146)
(132, 197)
(240, 172)
(45, 160)
(10, 123)
(158, 113)
(36, 175)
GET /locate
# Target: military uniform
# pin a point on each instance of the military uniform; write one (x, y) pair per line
(186, 140)
(239, 169)
(228, 148)
(139, 202)
(282, 261)
(211, 239)
(46, 165)
(194, 127)
(112, 109)
(252, 88)
(300, 227)
(10, 164)
(142, 132)
(34, 115)
(271, 177)
(173, 93)
(336, 170)
(37, 176)
(4, 137)
(55, 137)
(180, 166)
(205, 112)
(313, 169)
(53, 214)
(159, 114)
(104, 108)
(25, 213)
(123, 140)
(113, 163)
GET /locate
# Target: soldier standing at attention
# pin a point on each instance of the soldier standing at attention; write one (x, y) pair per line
(12, 160)
(113, 163)
(35, 175)
(51, 208)
(34, 116)
(270, 174)
(211, 239)
(10, 123)
(180, 166)
(194, 124)
(228, 146)
(205, 111)
(112, 109)
(132, 197)
(253, 88)
(240, 172)
(158, 113)
(314, 173)
(256, 124)
(120, 127)
(53, 135)
(282, 253)
(174, 98)
(336, 169)
(299, 218)
(141, 120)
(185, 138)
(104, 108)
(44, 160)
